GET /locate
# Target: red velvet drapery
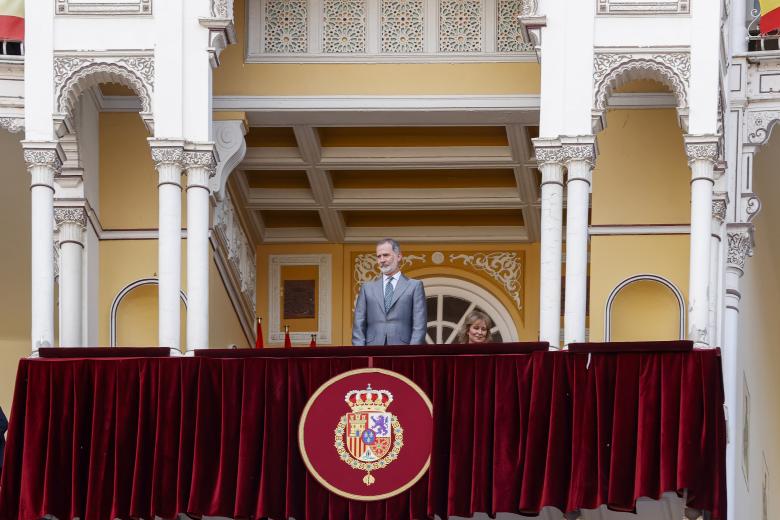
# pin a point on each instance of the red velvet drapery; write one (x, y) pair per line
(121, 438)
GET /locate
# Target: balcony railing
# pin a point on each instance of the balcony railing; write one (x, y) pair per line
(11, 48)
(761, 42)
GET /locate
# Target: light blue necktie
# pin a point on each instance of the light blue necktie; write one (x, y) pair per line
(388, 294)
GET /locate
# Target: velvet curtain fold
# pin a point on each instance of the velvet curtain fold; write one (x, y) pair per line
(134, 438)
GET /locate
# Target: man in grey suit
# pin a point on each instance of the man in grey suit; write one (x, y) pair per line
(391, 309)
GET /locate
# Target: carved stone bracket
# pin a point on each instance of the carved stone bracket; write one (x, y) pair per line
(222, 31)
(12, 124)
(73, 74)
(47, 157)
(531, 24)
(759, 124)
(610, 69)
(163, 155)
(579, 152)
(231, 149)
(697, 151)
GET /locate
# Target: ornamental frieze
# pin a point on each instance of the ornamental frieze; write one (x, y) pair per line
(503, 269)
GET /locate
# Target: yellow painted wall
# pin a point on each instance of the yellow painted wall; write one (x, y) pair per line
(263, 288)
(125, 261)
(615, 258)
(641, 174)
(234, 77)
(14, 264)
(645, 311)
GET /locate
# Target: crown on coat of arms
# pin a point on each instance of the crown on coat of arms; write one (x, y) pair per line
(368, 400)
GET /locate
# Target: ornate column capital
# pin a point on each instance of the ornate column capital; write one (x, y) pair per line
(70, 215)
(548, 151)
(702, 148)
(580, 148)
(740, 246)
(71, 222)
(164, 153)
(46, 154)
(206, 158)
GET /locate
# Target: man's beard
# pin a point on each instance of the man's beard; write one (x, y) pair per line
(387, 269)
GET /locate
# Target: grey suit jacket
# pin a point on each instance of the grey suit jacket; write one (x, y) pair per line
(405, 323)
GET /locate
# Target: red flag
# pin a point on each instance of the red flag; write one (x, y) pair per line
(259, 340)
(12, 20)
(287, 340)
(313, 342)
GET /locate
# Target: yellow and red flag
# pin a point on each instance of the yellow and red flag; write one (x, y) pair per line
(12, 20)
(770, 16)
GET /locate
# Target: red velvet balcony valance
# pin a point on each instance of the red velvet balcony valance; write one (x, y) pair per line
(514, 432)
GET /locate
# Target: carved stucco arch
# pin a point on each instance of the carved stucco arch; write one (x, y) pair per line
(614, 70)
(75, 75)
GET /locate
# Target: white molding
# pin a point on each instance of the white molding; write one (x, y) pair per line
(439, 234)
(643, 7)
(324, 300)
(631, 229)
(358, 102)
(124, 291)
(638, 278)
(105, 7)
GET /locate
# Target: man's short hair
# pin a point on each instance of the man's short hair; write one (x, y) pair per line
(393, 243)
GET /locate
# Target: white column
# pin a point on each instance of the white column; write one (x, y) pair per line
(200, 167)
(44, 160)
(716, 224)
(168, 156)
(580, 156)
(702, 154)
(549, 158)
(71, 223)
(739, 243)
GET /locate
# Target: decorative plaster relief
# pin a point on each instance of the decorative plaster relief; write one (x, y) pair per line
(222, 9)
(199, 158)
(12, 124)
(651, 7)
(579, 152)
(403, 25)
(240, 251)
(719, 210)
(286, 26)
(759, 124)
(672, 68)
(505, 267)
(740, 246)
(104, 7)
(75, 74)
(345, 26)
(70, 215)
(460, 25)
(702, 151)
(509, 36)
(42, 157)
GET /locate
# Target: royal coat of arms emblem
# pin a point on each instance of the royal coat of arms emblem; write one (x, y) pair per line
(369, 437)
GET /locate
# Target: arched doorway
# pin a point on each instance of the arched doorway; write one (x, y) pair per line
(450, 300)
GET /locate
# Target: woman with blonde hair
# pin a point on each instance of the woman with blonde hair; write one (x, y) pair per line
(476, 329)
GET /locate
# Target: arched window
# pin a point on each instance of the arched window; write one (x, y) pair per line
(645, 307)
(450, 300)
